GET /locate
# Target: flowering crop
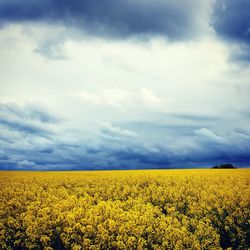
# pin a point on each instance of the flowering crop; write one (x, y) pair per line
(151, 209)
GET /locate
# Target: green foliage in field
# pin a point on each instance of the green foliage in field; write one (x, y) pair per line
(183, 209)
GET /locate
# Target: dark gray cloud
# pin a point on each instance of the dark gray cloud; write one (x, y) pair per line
(241, 54)
(121, 146)
(27, 112)
(231, 21)
(29, 119)
(116, 18)
(194, 117)
(119, 19)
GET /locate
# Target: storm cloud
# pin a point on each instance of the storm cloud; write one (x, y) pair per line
(176, 20)
(231, 21)
(121, 84)
(124, 146)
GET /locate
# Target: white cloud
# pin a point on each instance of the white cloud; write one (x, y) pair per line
(110, 96)
(209, 136)
(150, 98)
(115, 131)
(25, 164)
(143, 99)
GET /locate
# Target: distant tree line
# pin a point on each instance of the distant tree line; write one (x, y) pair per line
(224, 166)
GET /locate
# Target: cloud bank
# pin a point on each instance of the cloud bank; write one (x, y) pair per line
(175, 20)
(122, 146)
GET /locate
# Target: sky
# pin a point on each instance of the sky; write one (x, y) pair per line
(124, 84)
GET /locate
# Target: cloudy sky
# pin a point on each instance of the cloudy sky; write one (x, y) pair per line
(121, 84)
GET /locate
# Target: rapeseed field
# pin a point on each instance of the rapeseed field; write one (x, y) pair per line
(147, 209)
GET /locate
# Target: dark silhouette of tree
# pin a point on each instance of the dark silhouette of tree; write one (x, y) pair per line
(224, 166)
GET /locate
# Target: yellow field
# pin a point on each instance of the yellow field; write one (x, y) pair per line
(157, 209)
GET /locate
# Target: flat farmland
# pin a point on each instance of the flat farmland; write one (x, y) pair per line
(144, 209)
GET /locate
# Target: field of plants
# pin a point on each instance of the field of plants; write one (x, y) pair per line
(151, 209)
